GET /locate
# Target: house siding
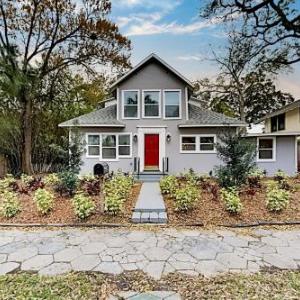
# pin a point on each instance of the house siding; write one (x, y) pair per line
(286, 157)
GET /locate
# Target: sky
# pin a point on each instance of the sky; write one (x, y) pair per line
(173, 30)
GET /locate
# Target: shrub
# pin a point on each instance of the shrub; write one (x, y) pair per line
(83, 205)
(7, 182)
(254, 178)
(282, 179)
(191, 177)
(26, 179)
(232, 200)
(91, 185)
(238, 156)
(277, 198)
(113, 203)
(186, 197)
(10, 204)
(168, 184)
(44, 200)
(68, 182)
(52, 179)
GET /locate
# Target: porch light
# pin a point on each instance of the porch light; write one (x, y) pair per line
(135, 137)
(168, 137)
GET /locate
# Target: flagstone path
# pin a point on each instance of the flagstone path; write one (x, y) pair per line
(156, 253)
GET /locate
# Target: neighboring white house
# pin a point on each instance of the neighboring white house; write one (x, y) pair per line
(153, 125)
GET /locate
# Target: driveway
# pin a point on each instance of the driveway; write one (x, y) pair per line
(156, 252)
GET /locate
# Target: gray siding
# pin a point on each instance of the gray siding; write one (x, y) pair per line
(286, 158)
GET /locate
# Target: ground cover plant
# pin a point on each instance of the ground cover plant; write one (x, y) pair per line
(67, 198)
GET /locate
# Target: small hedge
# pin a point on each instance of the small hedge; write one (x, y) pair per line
(10, 204)
(83, 206)
(44, 200)
(232, 200)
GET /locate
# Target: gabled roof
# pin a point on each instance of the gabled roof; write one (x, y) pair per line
(281, 110)
(199, 117)
(104, 117)
(148, 59)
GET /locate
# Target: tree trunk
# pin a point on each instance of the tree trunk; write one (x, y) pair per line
(26, 134)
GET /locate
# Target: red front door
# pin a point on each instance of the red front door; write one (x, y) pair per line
(151, 151)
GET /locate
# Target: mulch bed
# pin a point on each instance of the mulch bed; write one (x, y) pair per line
(211, 212)
(63, 213)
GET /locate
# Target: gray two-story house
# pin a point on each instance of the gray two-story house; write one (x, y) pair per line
(152, 125)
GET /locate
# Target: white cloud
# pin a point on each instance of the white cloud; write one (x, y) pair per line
(196, 57)
(161, 4)
(150, 27)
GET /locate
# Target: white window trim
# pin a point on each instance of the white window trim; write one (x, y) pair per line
(130, 145)
(197, 151)
(118, 157)
(143, 104)
(273, 152)
(180, 104)
(87, 145)
(138, 105)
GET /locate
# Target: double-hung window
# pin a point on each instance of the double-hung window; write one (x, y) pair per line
(198, 144)
(93, 145)
(172, 104)
(266, 149)
(130, 104)
(151, 104)
(124, 142)
(109, 147)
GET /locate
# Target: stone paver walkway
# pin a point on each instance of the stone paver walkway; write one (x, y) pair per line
(156, 253)
(150, 206)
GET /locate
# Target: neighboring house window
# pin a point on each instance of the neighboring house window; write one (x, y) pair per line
(278, 123)
(93, 145)
(151, 104)
(266, 149)
(198, 144)
(130, 104)
(109, 147)
(124, 145)
(172, 104)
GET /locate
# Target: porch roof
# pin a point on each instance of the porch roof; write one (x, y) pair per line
(200, 117)
(104, 117)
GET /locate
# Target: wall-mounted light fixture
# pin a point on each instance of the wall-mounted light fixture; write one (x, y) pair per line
(168, 137)
(135, 137)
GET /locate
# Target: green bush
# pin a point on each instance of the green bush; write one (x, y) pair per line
(51, 179)
(7, 182)
(191, 177)
(10, 204)
(113, 203)
(68, 182)
(26, 179)
(186, 197)
(232, 200)
(83, 205)
(44, 200)
(277, 198)
(168, 184)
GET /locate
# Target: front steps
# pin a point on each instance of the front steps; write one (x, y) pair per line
(150, 207)
(149, 176)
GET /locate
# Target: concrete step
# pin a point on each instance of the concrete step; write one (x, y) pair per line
(149, 177)
(150, 217)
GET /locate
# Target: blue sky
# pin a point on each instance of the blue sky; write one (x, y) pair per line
(173, 30)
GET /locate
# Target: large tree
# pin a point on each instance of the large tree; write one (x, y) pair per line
(276, 23)
(242, 89)
(39, 39)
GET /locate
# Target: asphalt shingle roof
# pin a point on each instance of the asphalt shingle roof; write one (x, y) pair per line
(104, 116)
(200, 116)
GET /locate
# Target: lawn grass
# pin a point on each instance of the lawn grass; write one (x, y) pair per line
(265, 285)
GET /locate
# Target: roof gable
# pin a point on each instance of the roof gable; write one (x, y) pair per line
(151, 58)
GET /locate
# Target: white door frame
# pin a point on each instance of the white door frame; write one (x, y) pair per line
(141, 144)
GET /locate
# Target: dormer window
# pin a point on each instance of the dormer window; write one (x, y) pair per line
(151, 104)
(172, 104)
(130, 104)
(278, 123)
